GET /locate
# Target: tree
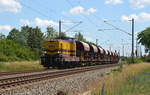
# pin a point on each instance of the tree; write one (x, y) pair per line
(79, 37)
(144, 39)
(63, 34)
(51, 33)
(13, 34)
(2, 36)
(12, 51)
(35, 39)
(23, 35)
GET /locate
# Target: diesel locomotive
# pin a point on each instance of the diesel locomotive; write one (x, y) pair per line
(67, 52)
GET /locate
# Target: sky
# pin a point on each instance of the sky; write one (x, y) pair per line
(94, 15)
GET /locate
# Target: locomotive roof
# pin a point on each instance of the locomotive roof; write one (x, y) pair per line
(69, 39)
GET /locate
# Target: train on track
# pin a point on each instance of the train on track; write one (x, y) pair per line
(67, 52)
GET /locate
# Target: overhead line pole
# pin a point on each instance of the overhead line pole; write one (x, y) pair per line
(132, 41)
(60, 29)
(137, 50)
(97, 42)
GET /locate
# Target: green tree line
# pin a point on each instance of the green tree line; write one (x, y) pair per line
(27, 43)
(144, 39)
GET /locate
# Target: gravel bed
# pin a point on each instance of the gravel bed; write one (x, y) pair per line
(72, 84)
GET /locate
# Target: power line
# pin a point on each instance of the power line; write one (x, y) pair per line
(117, 28)
(45, 7)
(73, 26)
(54, 12)
(82, 14)
(111, 24)
(98, 20)
(37, 11)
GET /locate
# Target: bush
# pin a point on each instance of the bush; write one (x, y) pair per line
(147, 59)
(11, 51)
(3, 57)
(136, 60)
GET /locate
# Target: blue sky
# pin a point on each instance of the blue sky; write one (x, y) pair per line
(92, 13)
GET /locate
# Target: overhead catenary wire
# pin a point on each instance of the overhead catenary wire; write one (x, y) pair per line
(83, 14)
(39, 12)
(102, 30)
(117, 28)
(106, 22)
(73, 26)
(63, 19)
(86, 17)
(52, 12)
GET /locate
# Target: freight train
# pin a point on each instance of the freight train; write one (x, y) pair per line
(68, 52)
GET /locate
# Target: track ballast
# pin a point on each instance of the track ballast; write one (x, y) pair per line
(15, 81)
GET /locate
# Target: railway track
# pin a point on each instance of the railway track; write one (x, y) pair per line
(11, 82)
(19, 72)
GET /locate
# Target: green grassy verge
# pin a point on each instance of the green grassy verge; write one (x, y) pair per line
(136, 60)
(19, 66)
(132, 80)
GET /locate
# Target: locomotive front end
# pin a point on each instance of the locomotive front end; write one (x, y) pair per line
(59, 53)
(51, 53)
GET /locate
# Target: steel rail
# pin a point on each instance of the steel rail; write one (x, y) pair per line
(20, 80)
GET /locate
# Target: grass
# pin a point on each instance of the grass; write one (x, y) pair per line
(134, 79)
(136, 60)
(20, 66)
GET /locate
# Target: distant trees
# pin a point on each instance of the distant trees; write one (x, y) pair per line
(51, 33)
(2, 36)
(23, 35)
(30, 37)
(19, 36)
(27, 43)
(35, 39)
(13, 34)
(79, 37)
(144, 39)
(63, 34)
(11, 51)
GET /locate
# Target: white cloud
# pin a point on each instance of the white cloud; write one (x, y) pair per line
(77, 10)
(91, 10)
(12, 6)
(127, 18)
(5, 28)
(145, 16)
(38, 22)
(44, 23)
(25, 22)
(142, 17)
(113, 2)
(81, 10)
(139, 3)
